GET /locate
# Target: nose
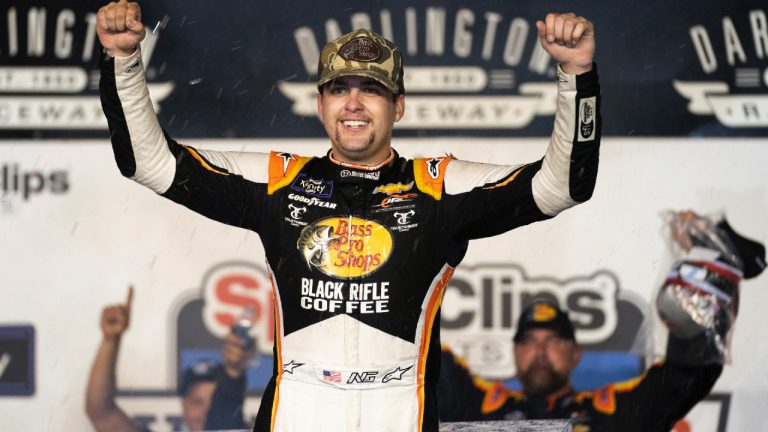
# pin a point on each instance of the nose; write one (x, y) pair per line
(352, 102)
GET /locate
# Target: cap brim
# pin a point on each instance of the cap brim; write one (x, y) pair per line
(360, 72)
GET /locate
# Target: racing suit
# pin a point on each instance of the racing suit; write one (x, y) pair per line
(652, 402)
(358, 257)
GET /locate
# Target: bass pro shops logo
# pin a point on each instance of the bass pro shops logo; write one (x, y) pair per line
(473, 92)
(743, 102)
(345, 247)
(47, 79)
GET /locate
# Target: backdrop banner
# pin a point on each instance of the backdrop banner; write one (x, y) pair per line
(247, 70)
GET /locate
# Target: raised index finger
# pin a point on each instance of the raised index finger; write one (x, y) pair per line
(129, 299)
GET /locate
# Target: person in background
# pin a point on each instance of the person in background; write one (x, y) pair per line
(212, 393)
(697, 302)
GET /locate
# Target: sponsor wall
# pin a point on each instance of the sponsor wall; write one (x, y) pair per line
(74, 244)
(76, 233)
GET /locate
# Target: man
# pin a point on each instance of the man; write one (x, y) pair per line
(546, 352)
(208, 390)
(360, 243)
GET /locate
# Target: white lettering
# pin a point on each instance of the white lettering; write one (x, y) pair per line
(5, 360)
(386, 24)
(732, 44)
(36, 32)
(759, 32)
(410, 30)
(308, 48)
(63, 42)
(703, 47)
(513, 49)
(332, 30)
(540, 59)
(435, 31)
(13, 33)
(462, 39)
(361, 20)
(90, 37)
(493, 19)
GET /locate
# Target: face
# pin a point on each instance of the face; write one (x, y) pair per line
(358, 114)
(545, 361)
(195, 404)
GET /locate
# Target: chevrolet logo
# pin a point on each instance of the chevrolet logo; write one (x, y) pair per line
(393, 188)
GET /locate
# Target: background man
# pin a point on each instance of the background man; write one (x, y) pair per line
(546, 352)
(360, 243)
(208, 390)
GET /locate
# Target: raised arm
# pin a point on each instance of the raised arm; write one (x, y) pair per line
(100, 405)
(225, 186)
(484, 200)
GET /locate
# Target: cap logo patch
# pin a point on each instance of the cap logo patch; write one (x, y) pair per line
(360, 49)
(543, 312)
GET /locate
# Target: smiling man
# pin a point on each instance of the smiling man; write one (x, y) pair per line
(360, 243)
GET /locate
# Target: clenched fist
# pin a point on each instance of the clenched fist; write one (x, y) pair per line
(119, 27)
(569, 39)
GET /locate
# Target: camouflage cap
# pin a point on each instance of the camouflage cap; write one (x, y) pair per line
(362, 53)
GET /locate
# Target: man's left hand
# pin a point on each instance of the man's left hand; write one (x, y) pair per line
(570, 40)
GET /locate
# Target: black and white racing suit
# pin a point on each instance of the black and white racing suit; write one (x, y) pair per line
(358, 257)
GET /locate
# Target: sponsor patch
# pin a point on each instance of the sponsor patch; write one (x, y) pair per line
(393, 188)
(587, 119)
(360, 49)
(312, 201)
(314, 187)
(368, 175)
(346, 247)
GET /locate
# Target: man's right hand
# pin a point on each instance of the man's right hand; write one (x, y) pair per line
(115, 318)
(236, 354)
(119, 27)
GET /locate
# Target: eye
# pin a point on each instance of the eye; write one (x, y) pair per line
(337, 90)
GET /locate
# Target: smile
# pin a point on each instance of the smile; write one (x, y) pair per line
(355, 123)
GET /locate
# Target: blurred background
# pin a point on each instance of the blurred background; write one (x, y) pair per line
(685, 121)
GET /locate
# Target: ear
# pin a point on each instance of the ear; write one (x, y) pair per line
(576, 354)
(320, 106)
(399, 107)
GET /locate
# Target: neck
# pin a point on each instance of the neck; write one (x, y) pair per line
(363, 165)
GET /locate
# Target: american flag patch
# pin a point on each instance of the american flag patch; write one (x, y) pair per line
(332, 376)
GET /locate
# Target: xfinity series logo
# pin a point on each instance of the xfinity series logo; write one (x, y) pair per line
(463, 91)
(307, 185)
(46, 75)
(743, 101)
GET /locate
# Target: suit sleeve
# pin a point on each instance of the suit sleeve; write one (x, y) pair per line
(225, 186)
(226, 410)
(482, 200)
(654, 401)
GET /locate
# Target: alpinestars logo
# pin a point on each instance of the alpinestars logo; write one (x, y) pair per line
(53, 96)
(465, 95)
(742, 103)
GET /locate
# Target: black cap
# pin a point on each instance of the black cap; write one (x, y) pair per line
(198, 371)
(542, 314)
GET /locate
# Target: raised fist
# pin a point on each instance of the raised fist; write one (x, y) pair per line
(569, 39)
(119, 27)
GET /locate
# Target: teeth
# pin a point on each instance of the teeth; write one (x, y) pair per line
(355, 123)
